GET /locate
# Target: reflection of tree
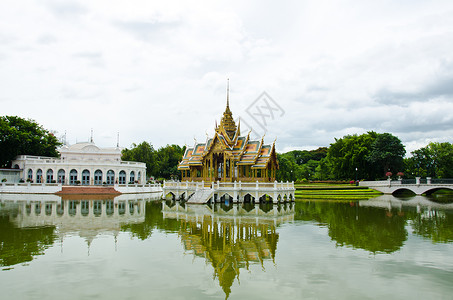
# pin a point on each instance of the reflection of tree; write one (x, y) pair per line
(229, 247)
(372, 229)
(153, 219)
(436, 225)
(19, 245)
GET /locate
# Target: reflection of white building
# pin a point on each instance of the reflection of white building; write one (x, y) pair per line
(83, 163)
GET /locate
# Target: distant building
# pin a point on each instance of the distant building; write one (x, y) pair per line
(81, 163)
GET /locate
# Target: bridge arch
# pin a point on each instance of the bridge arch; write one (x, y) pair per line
(224, 194)
(266, 197)
(433, 190)
(403, 190)
(248, 198)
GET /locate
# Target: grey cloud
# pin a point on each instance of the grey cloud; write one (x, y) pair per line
(47, 39)
(386, 96)
(441, 85)
(92, 58)
(64, 9)
(317, 88)
(76, 94)
(6, 39)
(148, 30)
(422, 124)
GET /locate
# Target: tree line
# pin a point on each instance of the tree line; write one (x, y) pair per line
(161, 163)
(20, 136)
(369, 156)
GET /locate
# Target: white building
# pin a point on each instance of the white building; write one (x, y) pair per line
(81, 163)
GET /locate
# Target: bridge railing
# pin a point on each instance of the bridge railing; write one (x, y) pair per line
(408, 181)
(442, 181)
(418, 181)
(229, 185)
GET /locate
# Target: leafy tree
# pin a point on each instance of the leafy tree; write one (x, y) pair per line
(349, 153)
(434, 160)
(300, 164)
(168, 158)
(371, 153)
(387, 153)
(19, 136)
(143, 152)
(287, 168)
(443, 159)
(162, 163)
(322, 171)
(303, 156)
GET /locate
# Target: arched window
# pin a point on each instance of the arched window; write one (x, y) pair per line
(132, 177)
(16, 166)
(109, 208)
(86, 177)
(122, 177)
(98, 177)
(139, 177)
(38, 209)
(30, 175)
(85, 207)
(72, 209)
(49, 176)
(60, 209)
(48, 209)
(131, 208)
(73, 177)
(110, 177)
(39, 176)
(97, 208)
(61, 176)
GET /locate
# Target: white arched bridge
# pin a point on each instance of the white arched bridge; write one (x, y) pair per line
(418, 186)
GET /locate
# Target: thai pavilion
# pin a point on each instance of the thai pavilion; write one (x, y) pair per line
(229, 157)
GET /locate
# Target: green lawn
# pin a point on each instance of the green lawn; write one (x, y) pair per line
(334, 192)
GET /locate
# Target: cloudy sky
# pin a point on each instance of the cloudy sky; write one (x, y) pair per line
(157, 71)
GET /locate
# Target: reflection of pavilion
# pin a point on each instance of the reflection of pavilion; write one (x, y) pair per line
(230, 238)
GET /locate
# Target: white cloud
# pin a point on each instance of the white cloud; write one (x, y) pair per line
(157, 71)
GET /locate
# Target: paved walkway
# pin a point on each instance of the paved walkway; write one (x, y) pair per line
(87, 190)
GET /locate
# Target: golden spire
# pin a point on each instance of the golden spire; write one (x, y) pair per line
(227, 124)
(228, 94)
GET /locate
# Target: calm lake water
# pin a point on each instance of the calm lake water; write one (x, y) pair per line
(137, 247)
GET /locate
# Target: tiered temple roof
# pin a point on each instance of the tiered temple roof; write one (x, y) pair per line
(227, 139)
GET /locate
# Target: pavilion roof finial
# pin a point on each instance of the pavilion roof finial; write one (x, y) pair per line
(228, 92)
